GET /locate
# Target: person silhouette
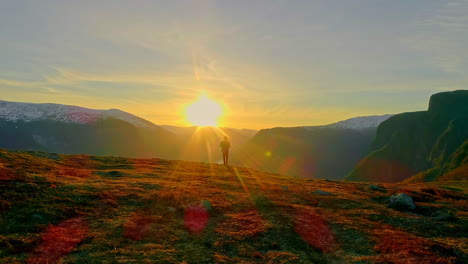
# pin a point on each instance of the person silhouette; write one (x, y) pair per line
(224, 145)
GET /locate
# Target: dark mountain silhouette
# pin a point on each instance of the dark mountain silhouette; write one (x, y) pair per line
(410, 143)
(320, 152)
(108, 136)
(248, 133)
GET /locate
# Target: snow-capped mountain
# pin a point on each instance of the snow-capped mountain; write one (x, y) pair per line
(15, 111)
(357, 123)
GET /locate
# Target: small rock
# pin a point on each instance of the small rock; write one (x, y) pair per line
(285, 188)
(402, 202)
(376, 188)
(320, 192)
(206, 204)
(37, 218)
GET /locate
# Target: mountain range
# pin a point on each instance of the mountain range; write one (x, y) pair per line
(17, 111)
(356, 123)
(68, 129)
(418, 146)
(71, 129)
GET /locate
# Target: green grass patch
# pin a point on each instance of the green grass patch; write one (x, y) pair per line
(425, 226)
(110, 174)
(353, 241)
(282, 236)
(35, 204)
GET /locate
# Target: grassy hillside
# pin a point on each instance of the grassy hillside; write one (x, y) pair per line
(454, 169)
(89, 209)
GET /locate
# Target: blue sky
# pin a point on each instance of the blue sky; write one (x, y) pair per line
(271, 63)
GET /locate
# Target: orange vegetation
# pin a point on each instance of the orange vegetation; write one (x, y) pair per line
(59, 240)
(314, 229)
(243, 224)
(139, 225)
(402, 248)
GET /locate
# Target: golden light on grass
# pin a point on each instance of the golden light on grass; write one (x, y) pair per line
(204, 112)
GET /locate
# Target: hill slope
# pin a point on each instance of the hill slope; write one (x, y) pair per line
(72, 129)
(409, 143)
(108, 136)
(90, 209)
(455, 168)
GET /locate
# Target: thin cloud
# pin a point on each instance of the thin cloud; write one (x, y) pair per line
(14, 83)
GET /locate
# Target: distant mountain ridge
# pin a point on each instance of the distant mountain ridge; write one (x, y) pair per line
(357, 123)
(361, 122)
(14, 111)
(411, 143)
(180, 130)
(68, 129)
(327, 151)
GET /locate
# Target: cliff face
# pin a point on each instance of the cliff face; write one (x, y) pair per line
(410, 143)
(449, 103)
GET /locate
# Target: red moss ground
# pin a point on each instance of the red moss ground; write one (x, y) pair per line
(87, 209)
(59, 240)
(242, 225)
(314, 230)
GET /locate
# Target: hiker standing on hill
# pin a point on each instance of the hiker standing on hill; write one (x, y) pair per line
(224, 145)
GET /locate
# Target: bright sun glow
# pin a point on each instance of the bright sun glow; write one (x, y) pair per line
(204, 112)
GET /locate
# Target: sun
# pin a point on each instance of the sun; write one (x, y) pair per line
(204, 112)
